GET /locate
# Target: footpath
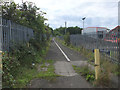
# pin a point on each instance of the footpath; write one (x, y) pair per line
(68, 77)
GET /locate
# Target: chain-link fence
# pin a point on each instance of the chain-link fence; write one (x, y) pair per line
(14, 33)
(107, 46)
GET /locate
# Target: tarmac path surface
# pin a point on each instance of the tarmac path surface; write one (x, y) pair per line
(64, 59)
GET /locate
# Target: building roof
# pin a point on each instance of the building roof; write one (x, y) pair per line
(97, 27)
(114, 28)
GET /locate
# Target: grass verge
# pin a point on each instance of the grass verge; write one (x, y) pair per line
(20, 66)
(84, 71)
(27, 75)
(107, 68)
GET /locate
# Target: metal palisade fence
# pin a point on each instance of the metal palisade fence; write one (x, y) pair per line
(0, 45)
(14, 33)
(109, 47)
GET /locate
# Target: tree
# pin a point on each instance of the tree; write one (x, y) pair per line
(71, 30)
(28, 14)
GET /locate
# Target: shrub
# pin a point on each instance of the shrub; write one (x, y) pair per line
(90, 78)
(86, 72)
(103, 80)
(67, 39)
(10, 70)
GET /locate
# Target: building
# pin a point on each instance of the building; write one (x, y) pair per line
(113, 34)
(95, 32)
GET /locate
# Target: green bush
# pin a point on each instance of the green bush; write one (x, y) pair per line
(67, 39)
(19, 56)
(10, 70)
(90, 78)
(86, 72)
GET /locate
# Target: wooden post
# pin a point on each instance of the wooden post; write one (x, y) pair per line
(97, 63)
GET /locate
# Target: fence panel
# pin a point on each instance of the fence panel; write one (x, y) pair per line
(14, 33)
(107, 47)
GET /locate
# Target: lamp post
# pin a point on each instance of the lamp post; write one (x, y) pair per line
(83, 21)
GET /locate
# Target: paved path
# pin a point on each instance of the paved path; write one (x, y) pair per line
(64, 68)
(69, 78)
(61, 82)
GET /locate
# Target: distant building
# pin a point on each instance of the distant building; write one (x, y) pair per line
(115, 30)
(113, 34)
(95, 32)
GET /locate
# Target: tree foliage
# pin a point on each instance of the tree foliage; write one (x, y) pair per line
(28, 14)
(71, 30)
(24, 55)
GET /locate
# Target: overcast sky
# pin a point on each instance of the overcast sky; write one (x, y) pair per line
(97, 12)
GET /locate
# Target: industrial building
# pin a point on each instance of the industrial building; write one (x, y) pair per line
(95, 32)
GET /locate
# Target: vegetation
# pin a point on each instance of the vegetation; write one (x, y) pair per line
(42, 72)
(86, 72)
(107, 68)
(86, 53)
(28, 14)
(67, 39)
(19, 60)
(19, 65)
(72, 30)
(105, 63)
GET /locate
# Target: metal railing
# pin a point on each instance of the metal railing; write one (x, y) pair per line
(108, 46)
(14, 33)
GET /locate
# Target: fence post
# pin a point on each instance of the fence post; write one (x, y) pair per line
(1, 45)
(97, 63)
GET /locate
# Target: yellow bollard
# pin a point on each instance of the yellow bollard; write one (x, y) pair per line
(28, 44)
(97, 63)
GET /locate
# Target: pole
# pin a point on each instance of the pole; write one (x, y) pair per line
(65, 26)
(83, 24)
(97, 63)
(83, 21)
(0, 45)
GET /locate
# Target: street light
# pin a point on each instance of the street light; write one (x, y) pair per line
(83, 21)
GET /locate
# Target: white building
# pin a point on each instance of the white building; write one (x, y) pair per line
(95, 32)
